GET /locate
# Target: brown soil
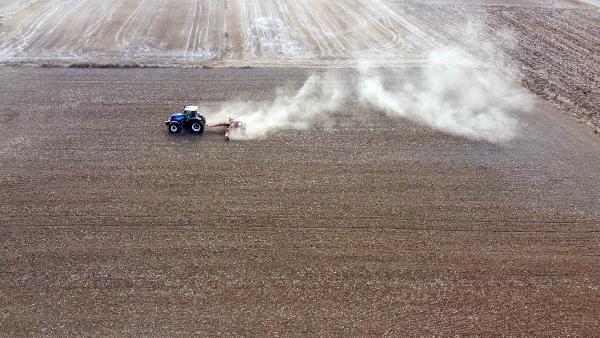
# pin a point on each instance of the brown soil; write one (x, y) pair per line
(109, 225)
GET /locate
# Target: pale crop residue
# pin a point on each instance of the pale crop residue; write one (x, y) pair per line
(187, 32)
(274, 38)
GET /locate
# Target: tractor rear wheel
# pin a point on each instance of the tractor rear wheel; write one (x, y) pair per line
(196, 126)
(174, 128)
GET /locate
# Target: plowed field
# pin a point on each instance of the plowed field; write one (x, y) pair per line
(109, 225)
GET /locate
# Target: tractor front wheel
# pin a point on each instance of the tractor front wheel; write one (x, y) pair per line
(174, 128)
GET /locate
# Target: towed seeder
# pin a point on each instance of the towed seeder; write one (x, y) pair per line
(230, 127)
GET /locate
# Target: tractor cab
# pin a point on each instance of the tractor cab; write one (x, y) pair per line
(190, 112)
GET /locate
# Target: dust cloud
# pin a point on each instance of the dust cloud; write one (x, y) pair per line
(455, 92)
(452, 93)
(319, 96)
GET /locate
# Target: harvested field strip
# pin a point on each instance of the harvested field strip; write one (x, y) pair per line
(200, 31)
(115, 29)
(323, 29)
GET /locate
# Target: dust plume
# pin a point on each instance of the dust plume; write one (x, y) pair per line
(452, 93)
(456, 92)
(320, 95)
(467, 90)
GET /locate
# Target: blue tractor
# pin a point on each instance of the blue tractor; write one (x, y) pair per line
(187, 118)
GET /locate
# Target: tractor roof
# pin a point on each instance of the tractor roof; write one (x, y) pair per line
(191, 108)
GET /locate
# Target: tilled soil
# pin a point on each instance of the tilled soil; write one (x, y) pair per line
(109, 225)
